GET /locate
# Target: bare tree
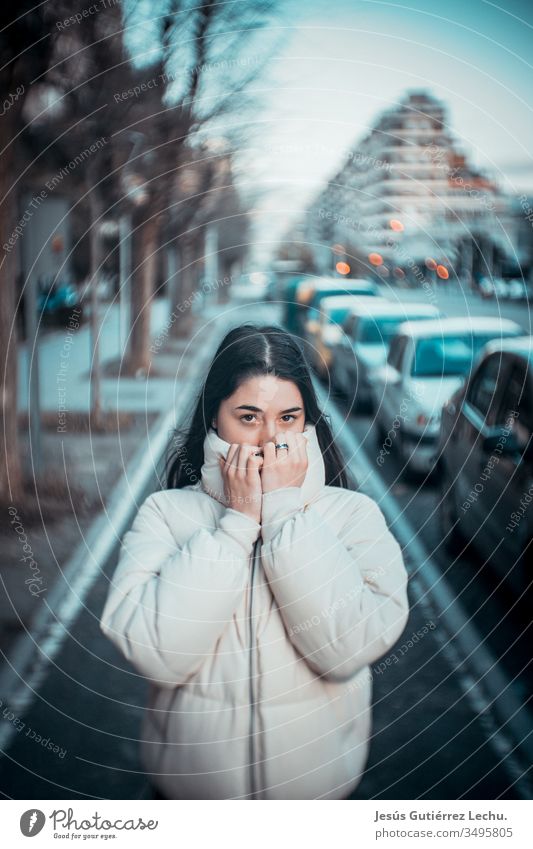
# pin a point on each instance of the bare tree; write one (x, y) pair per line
(88, 66)
(183, 108)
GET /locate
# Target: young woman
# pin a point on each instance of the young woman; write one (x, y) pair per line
(255, 591)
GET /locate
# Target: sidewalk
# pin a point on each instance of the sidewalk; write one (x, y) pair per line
(73, 352)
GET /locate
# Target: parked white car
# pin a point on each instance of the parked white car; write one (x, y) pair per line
(252, 287)
(363, 344)
(427, 362)
(331, 316)
(501, 288)
(519, 290)
(486, 287)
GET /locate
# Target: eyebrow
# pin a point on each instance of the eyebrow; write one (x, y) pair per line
(259, 410)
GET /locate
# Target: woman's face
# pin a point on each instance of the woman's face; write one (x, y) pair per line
(258, 409)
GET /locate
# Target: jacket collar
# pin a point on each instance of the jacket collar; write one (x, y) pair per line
(215, 447)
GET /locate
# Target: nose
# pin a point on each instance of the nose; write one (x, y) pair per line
(268, 433)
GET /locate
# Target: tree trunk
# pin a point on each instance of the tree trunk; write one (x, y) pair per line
(183, 325)
(145, 244)
(224, 287)
(11, 479)
(172, 276)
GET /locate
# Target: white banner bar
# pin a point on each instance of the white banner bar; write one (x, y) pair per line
(268, 825)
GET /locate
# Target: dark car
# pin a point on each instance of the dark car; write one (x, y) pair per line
(311, 292)
(486, 459)
(428, 361)
(55, 301)
(293, 310)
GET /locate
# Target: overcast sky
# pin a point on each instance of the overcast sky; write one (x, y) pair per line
(342, 62)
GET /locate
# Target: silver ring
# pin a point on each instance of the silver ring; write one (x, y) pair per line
(282, 445)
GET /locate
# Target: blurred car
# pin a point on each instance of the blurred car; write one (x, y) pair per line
(105, 288)
(251, 286)
(280, 273)
(519, 290)
(427, 362)
(311, 292)
(364, 341)
(486, 287)
(55, 301)
(333, 311)
(293, 310)
(501, 288)
(486, 457)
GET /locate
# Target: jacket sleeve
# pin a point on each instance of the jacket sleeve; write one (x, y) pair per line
(343, 601)
(167, 605)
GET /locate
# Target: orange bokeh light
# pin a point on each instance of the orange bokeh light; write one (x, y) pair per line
(343, 268)
(431, 264)
(396, 225)
(57, 243)
(375, 259)
(442, 272)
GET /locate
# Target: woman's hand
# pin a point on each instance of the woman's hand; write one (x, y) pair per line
(282, 467)
(242, 481)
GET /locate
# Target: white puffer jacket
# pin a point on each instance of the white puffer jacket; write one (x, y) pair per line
(257, 639)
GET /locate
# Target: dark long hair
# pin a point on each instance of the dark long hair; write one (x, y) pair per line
(249, 351)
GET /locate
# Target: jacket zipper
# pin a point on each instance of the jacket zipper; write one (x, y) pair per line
(251, 673)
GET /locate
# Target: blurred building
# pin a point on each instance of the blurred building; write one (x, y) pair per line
(407, 203)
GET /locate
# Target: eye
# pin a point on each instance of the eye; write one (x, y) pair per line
(247, 417)
(288, 416)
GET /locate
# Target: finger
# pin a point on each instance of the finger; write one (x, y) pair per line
(297, 457)
(269, 454)
(231, 453)
(301, 446)
(230, 464)
(283, 453)
(290, 439)
(255, 463)
(269, 448)
(291, 453)
(246, 451)
(303, 453)
(240, 460)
